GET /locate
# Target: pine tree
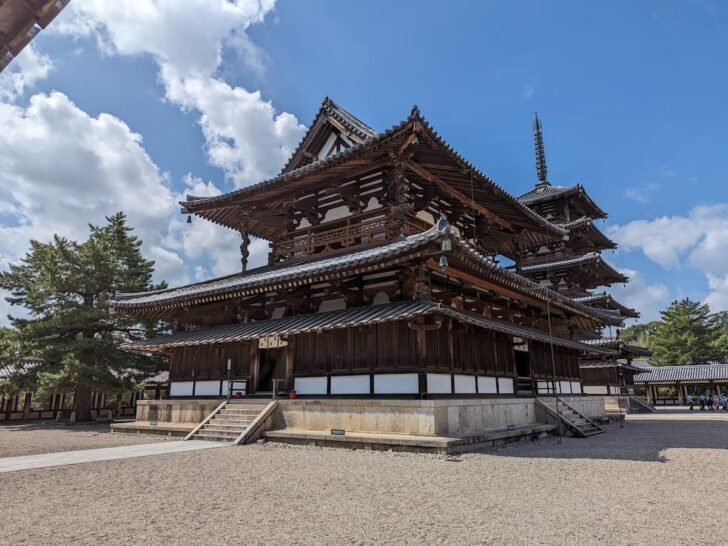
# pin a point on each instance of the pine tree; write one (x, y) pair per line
(686, 334)
(65, 287)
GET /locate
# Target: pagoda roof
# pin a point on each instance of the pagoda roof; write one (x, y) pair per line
(354, 317)
(617, 345)
(591, 364)
(361, 261)
(600, 267)
(606, 301)
(21, 21)
(329, 114)
(455, 176)
(587, 226)
(544, 192)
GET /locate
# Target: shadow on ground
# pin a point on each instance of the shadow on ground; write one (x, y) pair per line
(642, 438)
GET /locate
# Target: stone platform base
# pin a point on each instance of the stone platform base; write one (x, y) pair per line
(145, 427)
(442, 445)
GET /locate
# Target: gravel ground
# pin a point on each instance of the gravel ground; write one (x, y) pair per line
(660, 479)
(34, 438)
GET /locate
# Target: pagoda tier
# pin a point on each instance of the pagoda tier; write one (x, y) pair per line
(561, 204)
(389, 185)
(573, 275)
(606, 301)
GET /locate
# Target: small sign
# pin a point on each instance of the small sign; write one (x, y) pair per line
(338, 432)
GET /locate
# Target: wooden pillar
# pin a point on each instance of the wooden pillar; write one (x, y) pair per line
(680, 393)
(290, 349)
(648, 393)
(254, 366)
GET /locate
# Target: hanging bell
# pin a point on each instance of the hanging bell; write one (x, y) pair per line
(189, 218)
(446, 245)
(443, 263)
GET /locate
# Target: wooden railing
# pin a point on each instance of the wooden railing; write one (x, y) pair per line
(360, 230)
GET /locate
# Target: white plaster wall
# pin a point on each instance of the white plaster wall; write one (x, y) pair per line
(595, 389)
(380, 298)
(336, 213)
(576, 387)
(487, 385)
(438, 383)
(207, 388)
(396, 383)
(464, 384)
(350, 384)
(565, 387)
(180, 388)
(310, 385)
(505, 385)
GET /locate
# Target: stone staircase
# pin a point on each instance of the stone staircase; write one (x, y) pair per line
(579, 425)
(228, 422)
(640, 404)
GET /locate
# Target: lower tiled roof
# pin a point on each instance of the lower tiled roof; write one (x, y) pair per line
(359, 316)
(689, 373)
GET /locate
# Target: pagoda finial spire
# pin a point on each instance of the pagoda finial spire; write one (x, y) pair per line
(541, 171)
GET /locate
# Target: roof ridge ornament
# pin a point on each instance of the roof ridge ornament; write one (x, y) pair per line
(415, 112)
(541, 170)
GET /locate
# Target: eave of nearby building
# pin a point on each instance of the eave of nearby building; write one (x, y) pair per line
(544, 193)
(463, 181)
(618, 345)
(695, 373)
(362, 261)
(20, 21)
(592, 364)
(362, 316)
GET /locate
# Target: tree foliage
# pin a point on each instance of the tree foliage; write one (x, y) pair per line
(686, 334)
(65, 287)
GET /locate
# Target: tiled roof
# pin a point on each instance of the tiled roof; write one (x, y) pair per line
(317, 322)
(587, 224)
(606, 300)
(269, 277)
(347, 119)
(695, 373)
(590, 258)
(617, 345)
(546, 192)
(196, 204)
(21, 367)
(589, 364)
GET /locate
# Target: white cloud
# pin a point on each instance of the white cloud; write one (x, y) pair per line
(644, 193)
(638, 294)
(246, 137)
(698, 240)
(61, 169)
(27, 69)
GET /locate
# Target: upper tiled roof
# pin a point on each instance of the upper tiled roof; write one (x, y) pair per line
(530, 220)
(361, 316)
(590, 258)
(589, 364)
(695, 373)
(605, 300)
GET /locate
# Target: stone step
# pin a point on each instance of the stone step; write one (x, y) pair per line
(234, 419)
(231, 434)
(212, 438)
(226, 426)
(235, 411)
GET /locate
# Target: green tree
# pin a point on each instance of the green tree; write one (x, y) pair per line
(638, 334)
(65, 287)
(721, 340)
(686, 334)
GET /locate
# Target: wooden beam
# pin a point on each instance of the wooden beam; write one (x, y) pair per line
(447, 188)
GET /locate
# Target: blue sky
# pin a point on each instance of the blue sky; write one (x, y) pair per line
(157, 98)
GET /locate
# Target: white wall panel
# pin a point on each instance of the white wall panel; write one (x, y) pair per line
(310, 385)
(396, 383)
(438, 383)
(350, 384)
(180, 388)
(505, 385)
(464, 384)
(487, 385)
(576, 387)
(595, 389)
(207, 388)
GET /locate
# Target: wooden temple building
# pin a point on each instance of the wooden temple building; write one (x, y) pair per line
(385, 278)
